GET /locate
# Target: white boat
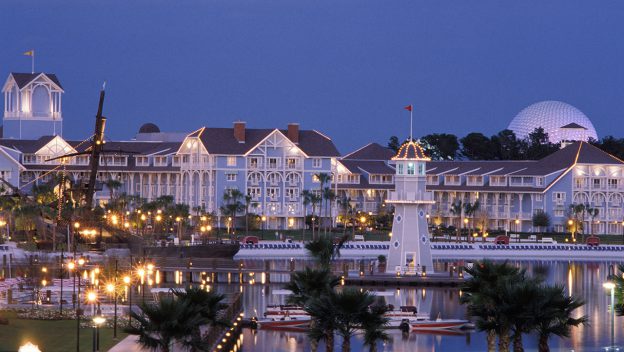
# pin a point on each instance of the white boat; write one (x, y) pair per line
(295, 323)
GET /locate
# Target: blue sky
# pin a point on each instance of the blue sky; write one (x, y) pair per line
(343, 67)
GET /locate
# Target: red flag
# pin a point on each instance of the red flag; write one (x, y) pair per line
(408, 108)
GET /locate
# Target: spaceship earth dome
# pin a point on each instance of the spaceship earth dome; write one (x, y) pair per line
(562, 122)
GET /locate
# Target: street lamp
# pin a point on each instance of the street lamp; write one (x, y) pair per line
(98, 320)
(127, 280)
(264, 225)
(609, 285)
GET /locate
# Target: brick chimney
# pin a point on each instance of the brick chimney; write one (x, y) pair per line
(293, 132)
(239, 131)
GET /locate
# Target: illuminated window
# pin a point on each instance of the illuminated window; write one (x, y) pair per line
(231, 161)
(411, 168)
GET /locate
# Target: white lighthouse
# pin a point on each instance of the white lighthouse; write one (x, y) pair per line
(410, 249)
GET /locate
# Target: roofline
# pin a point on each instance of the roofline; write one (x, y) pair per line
(578, 152)
(20, 166)
(267, 136)
(357, 150)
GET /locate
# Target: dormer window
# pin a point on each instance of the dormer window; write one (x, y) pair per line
(142, 161)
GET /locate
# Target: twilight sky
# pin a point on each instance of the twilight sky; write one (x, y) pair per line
(346, 68)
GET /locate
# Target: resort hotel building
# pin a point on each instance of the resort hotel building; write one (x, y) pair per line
(274, 166)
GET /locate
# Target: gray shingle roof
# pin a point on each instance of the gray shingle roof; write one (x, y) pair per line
(371, 151)
(22, 79)
(222, 141)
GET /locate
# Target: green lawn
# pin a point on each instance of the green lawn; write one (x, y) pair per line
(51, 336)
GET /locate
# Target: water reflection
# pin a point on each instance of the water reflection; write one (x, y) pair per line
(583, 279)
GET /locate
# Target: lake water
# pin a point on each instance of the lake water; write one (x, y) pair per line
(582, 279)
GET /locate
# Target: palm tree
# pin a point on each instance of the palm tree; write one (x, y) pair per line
(324, 250)
(345, 206)
(328, 196)
(306, 199)
(374, 323)
(483, 297)
(310, 284)
(323, 178)
(208, 304)
(457, 209)
(315, 199)
(351, 310)
(162, 324)
(618, 280)
(553, 315)
(113, 185)
(593, 213)
(232, 204)
(248, 199)
(517, 297)
(324, 320)
(469, 210)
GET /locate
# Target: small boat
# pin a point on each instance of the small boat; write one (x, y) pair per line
(285, 323)
(439, 324)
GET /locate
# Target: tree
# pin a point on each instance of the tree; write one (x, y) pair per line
(232, 204)
(394, 144)
(309, 284)
(538, 145)
(322, 178)
(440, 146)
(374, 323)
(508, 146)
(324, 250)
(593, 213)
(611, 145)
(476, 146)
(470, 209)
(541, 220)
(552, 315)
(457, 209)
(329, 196)
(346, 209)
(248, 199)
(482, 295)
(306, 199)
(165, 322)
(207, 304)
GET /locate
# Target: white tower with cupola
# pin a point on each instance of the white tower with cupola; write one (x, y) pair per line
(410, 249)
(32, 106)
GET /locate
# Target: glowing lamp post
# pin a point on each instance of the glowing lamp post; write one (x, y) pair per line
(609, 285)
(98, 321)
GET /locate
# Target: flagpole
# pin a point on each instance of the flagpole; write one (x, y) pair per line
(32, 61)
(411, 119)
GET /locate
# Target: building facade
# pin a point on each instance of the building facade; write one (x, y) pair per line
(509, 193)
(272, 166)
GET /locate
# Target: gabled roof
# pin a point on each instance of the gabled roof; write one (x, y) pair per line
(222, 141)
(27, 146)
(23, 79)
(371, 151)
